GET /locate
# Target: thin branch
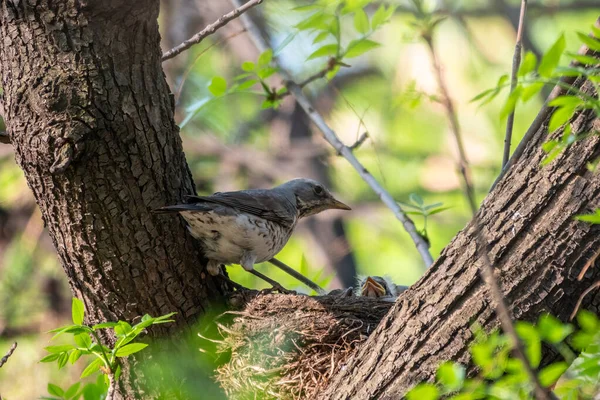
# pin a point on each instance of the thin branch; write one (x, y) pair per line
(487, 269)
(210, 29)
(359, 142)
(580, 300)
(545, 112)
(513, 83)
(4, 137)
(8, 354)
(463, 164)
(332, 138)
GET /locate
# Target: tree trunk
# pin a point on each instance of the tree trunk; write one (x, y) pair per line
(537, 249)
(90, 117)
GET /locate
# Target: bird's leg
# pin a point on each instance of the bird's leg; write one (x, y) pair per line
(232, 283)
(247, 262)
(213, 267)
(298, 276)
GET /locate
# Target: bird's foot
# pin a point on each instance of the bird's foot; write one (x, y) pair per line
(214, 267)
(275, 285)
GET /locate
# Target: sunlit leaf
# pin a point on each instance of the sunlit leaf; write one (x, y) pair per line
(591, 43)
(552, 329)
(265, 58)
(591, 218)
(532, 341)
(218, 86)
(74, 356)
(528, 64)
(423, 391)
(248, 66)
(511, 101)
(77, 311)
(531, 90)
(451, 375)
(359, 47)
(93, 367)
(327, 50)
(361, 21)
(130, 349)
(59, 349)
(284, 43)
(55, 390)
(416, 199)
(552, 57)
(380, 17)
(321, 36)
(560, 116)
(583, 59)
(72, 390)
(588, 321)
(550, 374)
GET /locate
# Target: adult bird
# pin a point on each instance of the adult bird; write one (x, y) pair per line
(251, 226)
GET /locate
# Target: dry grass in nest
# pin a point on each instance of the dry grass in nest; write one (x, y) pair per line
(285, 346)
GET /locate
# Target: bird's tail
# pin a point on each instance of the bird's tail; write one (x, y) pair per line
(181, 207)
(172, 209)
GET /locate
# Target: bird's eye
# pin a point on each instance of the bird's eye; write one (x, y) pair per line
(319, 189)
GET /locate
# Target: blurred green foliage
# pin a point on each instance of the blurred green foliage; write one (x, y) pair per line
(388, 91)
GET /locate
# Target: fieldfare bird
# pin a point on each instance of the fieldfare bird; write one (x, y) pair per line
(251, 226)
(378, 287)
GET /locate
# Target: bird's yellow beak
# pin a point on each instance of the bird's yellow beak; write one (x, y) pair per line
(372, 289)
(338, 205)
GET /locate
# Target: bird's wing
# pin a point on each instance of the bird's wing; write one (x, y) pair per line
(262, 203)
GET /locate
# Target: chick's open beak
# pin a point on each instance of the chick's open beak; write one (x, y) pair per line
(372, 289)
(338, 205)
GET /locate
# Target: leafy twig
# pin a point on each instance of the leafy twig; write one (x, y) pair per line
(487, 269)
(513, 83)
(337, 144)
(8, 354)
(544, 113)
(210, 29)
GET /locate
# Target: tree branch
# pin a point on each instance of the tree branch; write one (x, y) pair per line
(332, 138)
(513, 82)
(8, 354)
(210, 29)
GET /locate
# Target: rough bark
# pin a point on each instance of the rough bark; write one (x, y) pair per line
(537, 249)
(90, 117)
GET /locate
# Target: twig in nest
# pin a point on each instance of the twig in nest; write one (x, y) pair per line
(10, 352)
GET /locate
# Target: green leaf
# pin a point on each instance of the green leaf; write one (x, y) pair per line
(321, 36)
(511, 102)
(130, 349)
(83, 340)
(361, 21)
(588, 321)
(528, 64)
(77, 311)
(591, 218)
(359, 47)
(319, 20)
(74, 356)
(122, 328)
(423, 391)
(590, 42)
(50, 357)
(265, 58)
(570, 101)
(93, 367)
(438, 210)
(416, 199)
(451, 375)
(552, 329)
(62, 360)
(560, 116)
(583, 59)
(531, 90)
(55, 390)
(380, 17)
(248, 66)
(550, 374)
(105, 325)
(247, 84)
(218, 86)
(59, 349)
(266, 72)
(532, 341)
(327, 50)
(552, 57)
(72, 390)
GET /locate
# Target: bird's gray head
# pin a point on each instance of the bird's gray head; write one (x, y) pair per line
(311, 197)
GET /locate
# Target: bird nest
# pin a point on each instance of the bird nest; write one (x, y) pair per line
(288, 346)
